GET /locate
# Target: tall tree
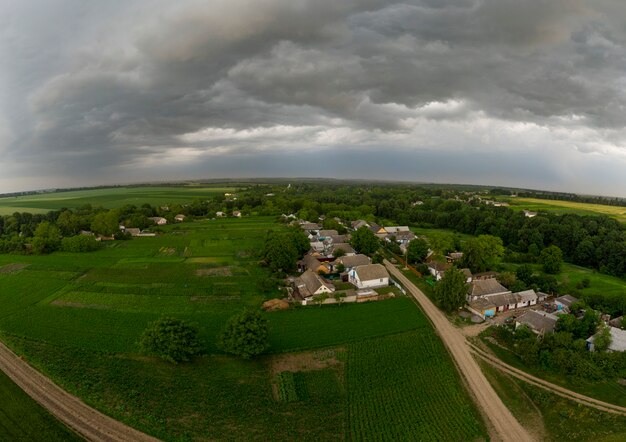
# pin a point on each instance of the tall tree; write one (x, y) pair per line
(483, 252)
(451, 291)
(417, 251)
(246, 334)
(47, 238)
(171, 339)
(364, 241)
(551, 258)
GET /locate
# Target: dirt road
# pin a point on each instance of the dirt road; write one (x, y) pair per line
(89, 423)
(502, 421)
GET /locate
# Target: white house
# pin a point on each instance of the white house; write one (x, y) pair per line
(159, 221)
(220, 214)
(350, 262)
(526, 298)
(180, 218)
(236, 213)
(369, 276)
(437, 269)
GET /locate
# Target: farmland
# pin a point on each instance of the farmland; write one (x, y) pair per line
(555, 206)
(22, 419)
(108, 198)
(78, 317)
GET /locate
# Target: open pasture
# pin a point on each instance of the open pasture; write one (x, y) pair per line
(559, 207)
(109, 198)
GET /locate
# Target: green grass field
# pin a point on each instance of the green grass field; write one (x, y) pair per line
(78, 317)
(109, 198)
(555, 206)
(23, 419)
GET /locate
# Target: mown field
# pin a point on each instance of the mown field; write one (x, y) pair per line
(535, 204)
(23, 419)
(78, 317)
(108, 198)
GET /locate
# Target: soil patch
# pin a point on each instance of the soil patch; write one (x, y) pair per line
(61, 303)
(215, 271)
(306, 361)
(12, 268)
(167, 251)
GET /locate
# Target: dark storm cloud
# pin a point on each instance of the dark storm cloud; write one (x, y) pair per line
(96, 91)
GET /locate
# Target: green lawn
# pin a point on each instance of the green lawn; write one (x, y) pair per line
(23, 419)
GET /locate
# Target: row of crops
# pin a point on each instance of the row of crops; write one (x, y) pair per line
(405, 387)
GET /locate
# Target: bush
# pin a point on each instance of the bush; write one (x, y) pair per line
(173, 340)
(80, 243)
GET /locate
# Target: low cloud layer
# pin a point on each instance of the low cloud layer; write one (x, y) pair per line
(497, 92)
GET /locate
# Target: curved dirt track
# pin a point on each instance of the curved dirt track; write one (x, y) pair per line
(504, 424)
(552, 388)
(84, 420)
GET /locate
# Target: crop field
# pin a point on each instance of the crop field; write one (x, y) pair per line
(535, 204)
(108, 197)
(405, 387)
(23, 419)
(78, 317)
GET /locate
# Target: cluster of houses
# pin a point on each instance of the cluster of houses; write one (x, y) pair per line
(331, 255)
(234, 214)
(400, 234)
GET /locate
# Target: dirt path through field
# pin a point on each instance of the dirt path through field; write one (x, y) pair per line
(86, 421)
(553, 388)
(500, 418)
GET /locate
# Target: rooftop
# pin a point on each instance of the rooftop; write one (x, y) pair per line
(538, 321)
(371, 271)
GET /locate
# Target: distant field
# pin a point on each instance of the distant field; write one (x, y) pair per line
(535, 204)
(109, 198)
(23, 419)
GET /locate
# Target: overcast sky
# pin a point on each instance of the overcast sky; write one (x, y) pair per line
(526, 93)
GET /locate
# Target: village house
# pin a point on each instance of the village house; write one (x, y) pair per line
(344, 247)
(468, 275)
(132, 231)
(504, 301)
(324, 234)
(437, 269)
(526, 298)
(482, 307)
(538, 321)
(358, 224)
(220, 214)
(485, 287)
(312, 263)
(618, 340)
(310, 284)
(563, 303)
(454, 256)
(179, 218)
(159, 221)
(529, 214)
(352, 261)
(369, 276)
(236, 213)
(379, 231)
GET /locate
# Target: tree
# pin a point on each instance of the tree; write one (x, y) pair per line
(105, 223)
(280, 253)
(417, 251)
(602, 339)
(171, 339)
(524, 273)
(364, 241)
(451, 291)
(246, 334)
(482, 253)
(551, 258)
(47, 238)
(299, 240)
